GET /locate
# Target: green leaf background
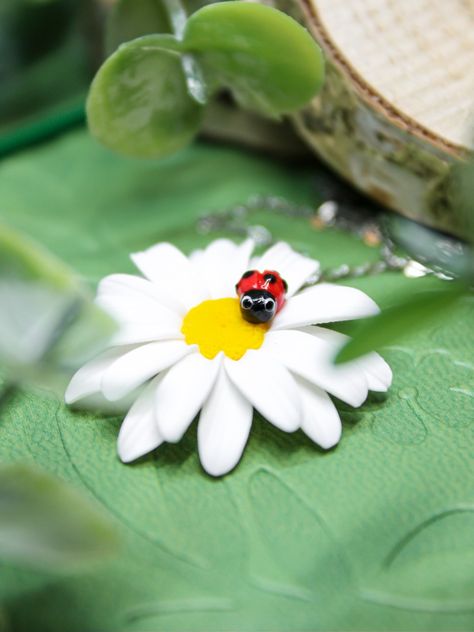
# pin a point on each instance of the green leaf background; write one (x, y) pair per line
(48, 526)
(375, 534)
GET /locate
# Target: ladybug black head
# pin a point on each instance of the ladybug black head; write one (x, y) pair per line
(258, 306)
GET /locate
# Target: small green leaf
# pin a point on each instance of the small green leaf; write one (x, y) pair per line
(270, 63)
(47, 525)
(405, 318)
(139, 104)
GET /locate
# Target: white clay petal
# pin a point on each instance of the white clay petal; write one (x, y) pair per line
(222, 264)
(312, 358)
(268, 386)
(139, 432)
(182, 392)
(224, 426)
(137, 333)
(293, 267)
(139, 365)
(376, 370)
(324, 303)
(171, 271)
(140, 309)
(134, 287)
(87, 380)
(320, 420)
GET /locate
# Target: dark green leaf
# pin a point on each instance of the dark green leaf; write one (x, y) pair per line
(414, 313)
(47, 525)
(139, 104)
(269, 62)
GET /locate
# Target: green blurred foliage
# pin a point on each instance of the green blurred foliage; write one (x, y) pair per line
(46, 525)
(48, 50)
(48, 323)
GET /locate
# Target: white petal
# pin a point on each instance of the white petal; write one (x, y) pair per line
(139, 365)
(321, 420)
(293, 267)
(268, 386)
(139, 432)
(311, 357)
(134, 333)
(134, 287)
(172, 273)
(89, 377)
(140, 309)
(182, 392)
(376, 370)
(324, 303)
(224, 426)
(222, 264)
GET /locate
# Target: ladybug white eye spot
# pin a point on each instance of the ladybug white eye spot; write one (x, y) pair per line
(246, 302)
(269, 305)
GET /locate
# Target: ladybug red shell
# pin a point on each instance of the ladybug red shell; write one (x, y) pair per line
(262, 295)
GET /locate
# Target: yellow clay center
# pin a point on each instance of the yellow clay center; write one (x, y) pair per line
(218, 325)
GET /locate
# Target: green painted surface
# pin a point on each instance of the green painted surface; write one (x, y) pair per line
(375, 534)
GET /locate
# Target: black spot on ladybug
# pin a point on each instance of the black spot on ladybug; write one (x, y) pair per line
(248, 274)
(285, 285)
(271, 278)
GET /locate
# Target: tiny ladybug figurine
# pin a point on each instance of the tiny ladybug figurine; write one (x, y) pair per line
(262, 295)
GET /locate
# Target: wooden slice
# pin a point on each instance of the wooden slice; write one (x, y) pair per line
(397, 110)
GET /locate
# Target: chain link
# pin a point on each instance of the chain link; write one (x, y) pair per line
(330, 214)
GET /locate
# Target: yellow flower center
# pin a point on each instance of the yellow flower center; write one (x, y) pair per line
(218, 325)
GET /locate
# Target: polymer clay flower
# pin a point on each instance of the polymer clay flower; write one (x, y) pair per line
(182, 339)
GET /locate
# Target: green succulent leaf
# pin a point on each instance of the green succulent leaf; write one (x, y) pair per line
(46, 525)
(267, 60)
(139, 104)
(48, 323)
(405, 318)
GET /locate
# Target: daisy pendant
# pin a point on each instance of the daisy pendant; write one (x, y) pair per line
(183, 349)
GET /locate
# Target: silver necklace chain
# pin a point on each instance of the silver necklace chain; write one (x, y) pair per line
(330, 214)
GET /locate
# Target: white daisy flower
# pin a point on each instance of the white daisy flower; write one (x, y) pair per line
(182, 335)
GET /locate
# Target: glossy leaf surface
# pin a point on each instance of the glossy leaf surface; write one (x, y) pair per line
(139, 104)
(269, 62)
